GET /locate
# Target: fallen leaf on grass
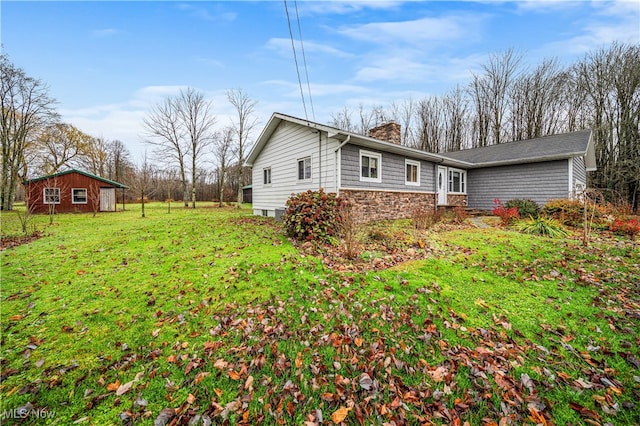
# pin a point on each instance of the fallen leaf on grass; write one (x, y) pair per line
(365, 381)
(164, 417)
(340, 414)
(111, 387)
(584, 411)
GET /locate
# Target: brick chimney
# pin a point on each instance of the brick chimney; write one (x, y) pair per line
(389, 132)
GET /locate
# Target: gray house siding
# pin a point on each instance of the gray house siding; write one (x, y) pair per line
(539, 182)
(392, 172)
(579, 171)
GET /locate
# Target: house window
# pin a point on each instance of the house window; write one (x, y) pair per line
(457, 181)
(266, 174)
(304, 168)
(370, 166)
(51, 196)
(79, 196)
(411, 172)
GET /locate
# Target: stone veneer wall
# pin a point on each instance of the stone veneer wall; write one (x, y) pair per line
(383, 205)
(458, 200)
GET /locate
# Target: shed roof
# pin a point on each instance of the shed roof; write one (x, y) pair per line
(66, 172)
(547, 148)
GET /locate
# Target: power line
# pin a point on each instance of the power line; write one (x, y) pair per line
(295, 58)
(304, 59)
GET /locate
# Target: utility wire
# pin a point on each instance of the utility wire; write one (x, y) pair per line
(295, 58)
(304, 60)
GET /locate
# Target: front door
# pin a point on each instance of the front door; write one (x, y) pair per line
(442, 186)
(107, 199)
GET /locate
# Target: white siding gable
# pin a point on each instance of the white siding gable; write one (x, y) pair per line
(289, 143)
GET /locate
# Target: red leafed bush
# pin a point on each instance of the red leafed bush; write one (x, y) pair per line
(630, 227)
(312, 216)
(506, 215)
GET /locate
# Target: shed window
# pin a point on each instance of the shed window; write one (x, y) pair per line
(370, 166)
(412, 172)
(457, 181)
(79, 196)
(51, 195)
(266, 175)
(304, 168)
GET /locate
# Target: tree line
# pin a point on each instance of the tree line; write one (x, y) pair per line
(509, 100)
(506, 100)
(190, 158)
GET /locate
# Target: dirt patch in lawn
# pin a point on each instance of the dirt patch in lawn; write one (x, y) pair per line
(380, 247)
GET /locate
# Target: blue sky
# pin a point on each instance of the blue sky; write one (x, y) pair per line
(107, 63)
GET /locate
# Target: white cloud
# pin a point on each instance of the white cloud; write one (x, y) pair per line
(198, 11)
(105, 32)
(615, 21)
(339, 7)
(214, 63)
(283, 47)
(414, 32)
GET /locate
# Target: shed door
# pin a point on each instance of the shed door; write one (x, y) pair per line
(442, 186)
(107, 199)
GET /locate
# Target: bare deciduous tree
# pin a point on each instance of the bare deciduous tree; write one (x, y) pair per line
(196, 117)
(223, 147)
(180, 129)
(243, 125)
(25, 108)
(489, 92)
(167, 135)
(143, 181)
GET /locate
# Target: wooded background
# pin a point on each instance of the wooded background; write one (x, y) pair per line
(192, 156)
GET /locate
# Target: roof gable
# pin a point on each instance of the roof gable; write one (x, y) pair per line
(345, 136)
(66, 172)
(547, 148)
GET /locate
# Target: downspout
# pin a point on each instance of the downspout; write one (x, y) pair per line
(338, 168)
(319, 159)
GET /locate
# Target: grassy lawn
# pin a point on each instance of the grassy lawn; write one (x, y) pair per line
(212, 314)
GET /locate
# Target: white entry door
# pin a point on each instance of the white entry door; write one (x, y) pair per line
(442, 186)
(107, 199)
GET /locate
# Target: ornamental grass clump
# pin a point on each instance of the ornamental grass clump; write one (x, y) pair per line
(542, 226)
(312, 216)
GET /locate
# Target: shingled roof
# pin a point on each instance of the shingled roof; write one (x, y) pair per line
(66, 172)
(547, 148)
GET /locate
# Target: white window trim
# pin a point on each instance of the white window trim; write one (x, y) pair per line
(268, 170)
(44, 195)
(463, 180)
(73, 197)
(304, 179)
(376, 155)
(408, 162)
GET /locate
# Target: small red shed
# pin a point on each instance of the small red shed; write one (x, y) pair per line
(72, 191)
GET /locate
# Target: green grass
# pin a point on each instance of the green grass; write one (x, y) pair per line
(217, 314)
